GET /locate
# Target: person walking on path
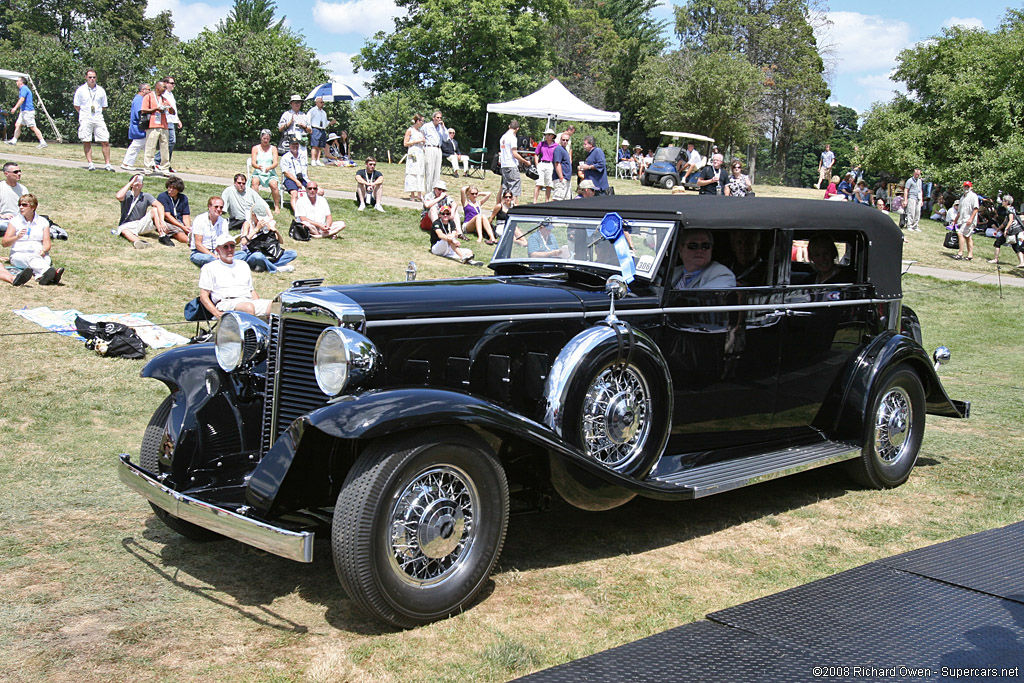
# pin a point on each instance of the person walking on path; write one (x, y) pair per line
(90, 101)
(913, 193)
(828, 159)
(136, 132)
(968, 221)
(26, 115)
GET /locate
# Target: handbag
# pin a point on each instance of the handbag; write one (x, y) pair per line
(266, 243)
(298, 231)
(111, 339)
(903, 219)
(952, 240)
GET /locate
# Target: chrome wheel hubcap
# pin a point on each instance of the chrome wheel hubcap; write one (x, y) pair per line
(616, 416)
(892, 425)
(431, 530)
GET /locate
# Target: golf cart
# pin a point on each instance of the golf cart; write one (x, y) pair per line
(663, 171)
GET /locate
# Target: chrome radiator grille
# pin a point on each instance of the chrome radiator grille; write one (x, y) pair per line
(292, 390)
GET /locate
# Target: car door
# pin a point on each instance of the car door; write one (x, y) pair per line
(723, 349)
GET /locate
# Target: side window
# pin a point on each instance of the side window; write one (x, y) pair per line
(736, 258)
(823, 257)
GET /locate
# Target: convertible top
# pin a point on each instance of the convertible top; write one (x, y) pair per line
(753, 213)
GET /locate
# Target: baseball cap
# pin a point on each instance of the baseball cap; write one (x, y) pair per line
(223, 239)
(967, 183)
(587, 185)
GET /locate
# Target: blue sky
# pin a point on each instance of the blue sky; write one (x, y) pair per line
(862, 39)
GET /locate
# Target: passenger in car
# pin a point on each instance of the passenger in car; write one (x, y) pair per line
(823, 254)
(746, 263)
(542, 244)
(697, 270)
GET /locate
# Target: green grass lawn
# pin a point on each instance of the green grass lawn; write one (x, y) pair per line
(94, 588)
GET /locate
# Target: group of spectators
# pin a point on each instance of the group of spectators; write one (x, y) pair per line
(426, 147)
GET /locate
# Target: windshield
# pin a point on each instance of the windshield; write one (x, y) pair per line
(667, 153)
(578, 241)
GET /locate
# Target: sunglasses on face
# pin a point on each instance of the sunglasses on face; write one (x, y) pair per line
(695, 246)
(24, 204)
(311, 189)
(217, 207)
(446, 213)
(17, 170)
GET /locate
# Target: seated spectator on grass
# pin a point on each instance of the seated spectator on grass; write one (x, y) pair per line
(225, 283)
(939, 214)
(845, 187)
(315, 214)
(11, 191)
(880, 205)
(370, 185)
(332, 152)
(141, 214)
(293, 166)
(265, 161)
(586, 189)
(177, 213)
(243, 206)
(28, 236)
(434, 202)
(861, 194)
(444, 239)
(831, 192)
(207, 229)
(475, 218)
(897, 203)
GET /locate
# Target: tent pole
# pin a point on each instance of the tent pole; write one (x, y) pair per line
(618, 141)
(483, 146)
(53, 125)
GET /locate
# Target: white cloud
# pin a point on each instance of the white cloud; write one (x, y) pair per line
(969, 22)
(190, 18)
(364, 17)
(877, 87)
(340, 66)
(863, 42)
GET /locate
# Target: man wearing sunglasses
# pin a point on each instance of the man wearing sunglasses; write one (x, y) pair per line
(315, 213)
(10, 192)
(697, 270)
(444, 239)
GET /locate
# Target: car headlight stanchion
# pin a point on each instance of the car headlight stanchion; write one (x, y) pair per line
(343, 358)
(240, 341)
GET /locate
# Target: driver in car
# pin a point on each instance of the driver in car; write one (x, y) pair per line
(698, 271)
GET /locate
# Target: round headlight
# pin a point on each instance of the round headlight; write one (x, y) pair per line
(343, 357)
(241, 339)
(229, 342)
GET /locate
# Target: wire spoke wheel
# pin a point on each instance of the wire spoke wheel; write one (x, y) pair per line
(616, 416)
(432, 525)
(893, 422)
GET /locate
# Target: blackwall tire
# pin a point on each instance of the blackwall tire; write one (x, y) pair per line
(620, 413)
(149, 460)
(419, 525)
(668, 182)
(893, 430)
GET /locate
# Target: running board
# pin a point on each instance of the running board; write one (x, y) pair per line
(753, 469)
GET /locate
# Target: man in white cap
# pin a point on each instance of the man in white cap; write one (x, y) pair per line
(450, 148)
(543, 157)
(624, 159)
(225, 284)
(587, 189)
(295, 123)
(433, 203)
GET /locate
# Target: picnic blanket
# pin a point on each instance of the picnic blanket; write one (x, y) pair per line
(63, 322)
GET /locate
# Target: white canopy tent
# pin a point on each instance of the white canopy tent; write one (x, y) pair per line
(15, 75)
(555, 103)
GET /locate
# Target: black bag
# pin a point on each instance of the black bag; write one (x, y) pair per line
(532, 173)
(952, 240)
(111, 339)
(903, 219)
(266, 243)
(298, 231)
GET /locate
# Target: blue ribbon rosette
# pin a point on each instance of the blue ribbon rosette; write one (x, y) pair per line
(611, 230)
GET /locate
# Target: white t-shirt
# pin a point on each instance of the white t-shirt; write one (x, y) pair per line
(92, 102)
(968, 203)
(32, 241)
(508, 143)
(9, 197)
(171, 118)
(210, 233)
(694, 158)
(226, 280)
(317, 212)
(296, 126)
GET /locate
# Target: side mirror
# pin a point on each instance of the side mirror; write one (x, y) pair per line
(940, 356)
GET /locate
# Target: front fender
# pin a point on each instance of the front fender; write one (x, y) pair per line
(886, 351)
(299, 466)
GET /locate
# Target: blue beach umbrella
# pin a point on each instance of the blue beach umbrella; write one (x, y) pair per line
(333, 92)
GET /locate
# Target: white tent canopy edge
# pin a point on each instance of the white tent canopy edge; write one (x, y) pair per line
(555, 103)
(15, 75)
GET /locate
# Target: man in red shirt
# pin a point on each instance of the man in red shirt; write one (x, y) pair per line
(156, 107)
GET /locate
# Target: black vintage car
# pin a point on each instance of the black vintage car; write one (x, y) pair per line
(398, 420)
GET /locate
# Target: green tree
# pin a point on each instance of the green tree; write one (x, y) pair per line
(583, 45)
(462, 55)
(254, 15)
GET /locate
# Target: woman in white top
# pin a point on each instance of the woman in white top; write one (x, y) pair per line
(265, 161)
(415, 145)
(28, 236)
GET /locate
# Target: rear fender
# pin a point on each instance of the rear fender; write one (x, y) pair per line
(308, 463)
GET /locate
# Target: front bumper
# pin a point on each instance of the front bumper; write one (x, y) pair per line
(294, 545)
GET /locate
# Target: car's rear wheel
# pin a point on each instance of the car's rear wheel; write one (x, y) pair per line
(668, 182)
(149, 459)
(419, 524)
(893, 430)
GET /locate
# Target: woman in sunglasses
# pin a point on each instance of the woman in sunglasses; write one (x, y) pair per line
(444, 240)
(500, 212)
(28, 236)
(474, 219)
(738, 184)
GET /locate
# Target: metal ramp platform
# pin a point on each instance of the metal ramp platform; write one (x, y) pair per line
(949, 611)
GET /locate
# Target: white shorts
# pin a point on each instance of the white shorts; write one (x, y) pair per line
(546, 172)
(93, 131)
(261, 305)
(27, 118)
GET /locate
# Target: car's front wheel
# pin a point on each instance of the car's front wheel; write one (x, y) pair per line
(893, 430)
(419, 524)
